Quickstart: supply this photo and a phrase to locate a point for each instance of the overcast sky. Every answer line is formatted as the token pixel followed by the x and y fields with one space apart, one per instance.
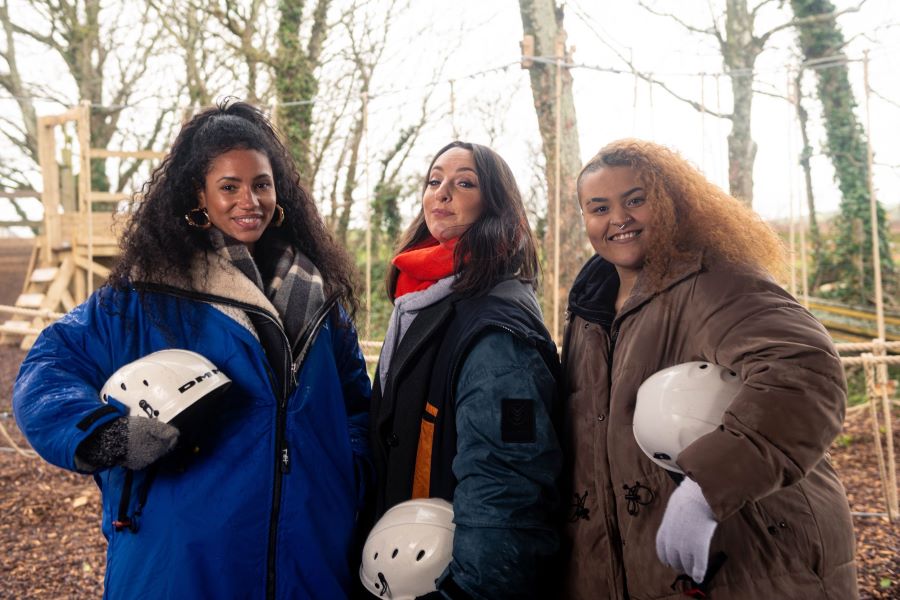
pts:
pixel 611 106
pixel 492 100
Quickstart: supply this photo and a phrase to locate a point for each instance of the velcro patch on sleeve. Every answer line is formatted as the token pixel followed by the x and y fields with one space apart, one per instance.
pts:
pixel 517 420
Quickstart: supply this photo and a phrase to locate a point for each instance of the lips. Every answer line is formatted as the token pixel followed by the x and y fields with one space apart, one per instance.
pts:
pixel 624 236
pixel 248 221
pixel 441 213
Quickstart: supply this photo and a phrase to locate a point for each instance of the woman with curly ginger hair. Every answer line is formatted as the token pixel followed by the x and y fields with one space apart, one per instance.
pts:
pixel 256 494
pixel 684 274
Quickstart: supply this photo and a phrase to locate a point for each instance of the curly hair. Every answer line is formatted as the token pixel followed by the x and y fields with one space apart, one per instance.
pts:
pixel 159 244
pixel 498 245
pixel 690 213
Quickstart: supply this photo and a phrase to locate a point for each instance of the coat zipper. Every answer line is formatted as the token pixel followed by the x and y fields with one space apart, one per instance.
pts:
pixel 282 453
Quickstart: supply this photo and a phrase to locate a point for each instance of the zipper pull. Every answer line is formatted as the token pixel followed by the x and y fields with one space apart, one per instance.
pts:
pixel 295 366
pixel 285 459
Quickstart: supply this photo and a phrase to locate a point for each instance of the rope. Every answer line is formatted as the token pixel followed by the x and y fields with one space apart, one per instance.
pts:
pixel 13 443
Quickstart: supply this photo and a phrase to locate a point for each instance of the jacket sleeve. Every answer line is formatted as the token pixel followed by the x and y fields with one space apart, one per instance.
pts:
pixel 56 394
pixel 508 459
pixel 792 401
pixel 357 392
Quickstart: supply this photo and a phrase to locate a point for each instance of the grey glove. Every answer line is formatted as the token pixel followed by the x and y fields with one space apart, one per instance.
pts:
pixel 131 442
pixel 686 531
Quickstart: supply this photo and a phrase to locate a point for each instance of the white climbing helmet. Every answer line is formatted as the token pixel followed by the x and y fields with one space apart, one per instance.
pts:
pixel 677 405
pixel 408 549
pixel 164 384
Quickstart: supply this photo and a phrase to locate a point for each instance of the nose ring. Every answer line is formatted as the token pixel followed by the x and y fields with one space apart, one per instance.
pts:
pixel 622 226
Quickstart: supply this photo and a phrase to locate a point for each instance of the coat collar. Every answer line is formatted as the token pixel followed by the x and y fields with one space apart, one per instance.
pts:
pixel 679 270
pixel 213 274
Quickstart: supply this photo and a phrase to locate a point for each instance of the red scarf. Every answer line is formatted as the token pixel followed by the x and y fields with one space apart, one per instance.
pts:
pixel 421 266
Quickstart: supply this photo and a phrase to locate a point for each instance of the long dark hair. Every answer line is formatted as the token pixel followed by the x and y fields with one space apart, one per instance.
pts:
pixel 159 244
pixel 498 245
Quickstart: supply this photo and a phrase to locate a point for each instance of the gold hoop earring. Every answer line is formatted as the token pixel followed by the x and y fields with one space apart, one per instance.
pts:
pixel 192 215
pixel 279 219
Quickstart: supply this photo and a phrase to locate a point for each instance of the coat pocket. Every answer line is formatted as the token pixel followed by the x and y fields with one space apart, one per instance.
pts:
pixel 782 531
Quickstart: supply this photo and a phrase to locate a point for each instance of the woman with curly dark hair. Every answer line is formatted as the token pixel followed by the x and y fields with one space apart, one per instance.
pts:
pixel 256 495
pixel 466 382
pixel 683 281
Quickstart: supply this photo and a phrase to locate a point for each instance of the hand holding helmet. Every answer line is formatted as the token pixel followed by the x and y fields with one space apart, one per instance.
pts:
pixel 158 390
pixel 131 442
pixel 675 407
pixel 408 549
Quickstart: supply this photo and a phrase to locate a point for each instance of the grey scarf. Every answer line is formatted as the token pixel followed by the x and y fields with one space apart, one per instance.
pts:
pixel 296 288
pixel 406 307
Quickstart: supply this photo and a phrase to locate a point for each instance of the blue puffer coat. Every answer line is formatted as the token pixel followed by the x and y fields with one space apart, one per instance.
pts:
pixel 264 500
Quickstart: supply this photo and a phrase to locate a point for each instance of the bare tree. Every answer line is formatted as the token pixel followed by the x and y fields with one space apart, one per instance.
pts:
pixel 544 21
pixel 104 68
pixel 740 45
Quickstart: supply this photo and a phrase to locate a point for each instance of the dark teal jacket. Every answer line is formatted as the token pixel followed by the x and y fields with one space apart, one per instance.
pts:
pixel 490 367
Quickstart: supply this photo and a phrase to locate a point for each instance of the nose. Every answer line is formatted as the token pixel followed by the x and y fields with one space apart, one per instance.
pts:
pixel 248 199
pixel 620 218
pixel 442 193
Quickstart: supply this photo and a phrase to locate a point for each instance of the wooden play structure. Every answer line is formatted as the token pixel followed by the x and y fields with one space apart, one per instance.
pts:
pixel 78 245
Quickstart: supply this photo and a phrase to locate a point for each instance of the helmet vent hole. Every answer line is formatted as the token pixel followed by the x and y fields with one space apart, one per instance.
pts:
pixel 145 383
pixel 122 385
pixel 733 374
pixel 704 366
pixel 420 555
pixel 394 553
pixel 375 557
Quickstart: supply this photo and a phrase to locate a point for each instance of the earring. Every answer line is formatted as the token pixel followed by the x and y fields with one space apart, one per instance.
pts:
pixel 193 214
pixel 279 218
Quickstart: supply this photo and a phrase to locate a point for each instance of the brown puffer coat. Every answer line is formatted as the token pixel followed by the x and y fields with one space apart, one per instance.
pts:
pixel 784 520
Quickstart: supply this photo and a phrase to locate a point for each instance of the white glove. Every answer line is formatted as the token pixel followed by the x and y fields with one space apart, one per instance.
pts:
pixel 686 531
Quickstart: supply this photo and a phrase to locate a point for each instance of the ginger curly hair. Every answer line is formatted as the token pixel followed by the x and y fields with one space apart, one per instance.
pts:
pixel 691 215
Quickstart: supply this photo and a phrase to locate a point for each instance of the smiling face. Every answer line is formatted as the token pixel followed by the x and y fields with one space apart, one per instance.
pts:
pixel 239 194
pixel 616 217
pixel 452 198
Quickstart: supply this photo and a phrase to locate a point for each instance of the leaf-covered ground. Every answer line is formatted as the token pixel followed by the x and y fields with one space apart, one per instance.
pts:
pixel 52 546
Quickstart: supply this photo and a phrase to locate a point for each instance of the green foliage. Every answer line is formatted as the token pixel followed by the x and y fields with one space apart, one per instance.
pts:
pixel 844 440
pixel 856 386
pixel 885 583
pixel 849 259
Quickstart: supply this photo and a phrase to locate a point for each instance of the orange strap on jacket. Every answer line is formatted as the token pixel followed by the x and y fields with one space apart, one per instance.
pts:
pixel 422 477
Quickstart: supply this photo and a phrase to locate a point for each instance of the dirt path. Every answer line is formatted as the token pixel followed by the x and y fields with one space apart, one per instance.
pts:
pixel 52 546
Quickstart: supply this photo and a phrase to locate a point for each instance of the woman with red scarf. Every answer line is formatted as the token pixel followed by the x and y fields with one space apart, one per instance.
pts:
pixel 466 381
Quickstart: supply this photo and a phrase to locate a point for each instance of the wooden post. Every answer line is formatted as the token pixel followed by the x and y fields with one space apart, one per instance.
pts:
pixel 873 208
pixel 869 369
pixel 84 188
pixel 368 200
pixel 50 195
pixel 557 182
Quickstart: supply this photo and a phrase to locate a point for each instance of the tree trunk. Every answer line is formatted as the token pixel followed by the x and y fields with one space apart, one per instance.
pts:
pixel 846 147
pixel 740 49
pixel 805 155
pixel 296 84
pixel 541 19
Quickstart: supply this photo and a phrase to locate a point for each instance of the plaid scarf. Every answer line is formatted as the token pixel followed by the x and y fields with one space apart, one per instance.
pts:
pixel 295 288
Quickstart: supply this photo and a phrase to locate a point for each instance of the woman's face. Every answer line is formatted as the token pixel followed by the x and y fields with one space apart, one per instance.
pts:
pixel 452 199
pixel 239 194
pixel 616 216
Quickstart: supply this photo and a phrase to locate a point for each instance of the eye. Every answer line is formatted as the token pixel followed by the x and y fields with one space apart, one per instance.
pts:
pixel 433 183
pixel 228 187
pixel 599 209
pixel 466 184
pixel 636 201
pixel 264 185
